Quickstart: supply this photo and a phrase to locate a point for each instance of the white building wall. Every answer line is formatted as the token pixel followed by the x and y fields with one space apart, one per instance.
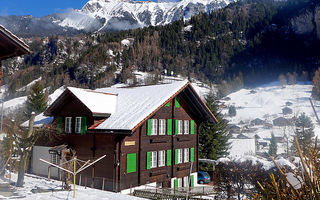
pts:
pixel 40 168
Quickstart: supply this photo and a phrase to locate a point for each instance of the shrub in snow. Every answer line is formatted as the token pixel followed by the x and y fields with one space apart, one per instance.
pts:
pixel 303 183
pixel 273 146
pixel 237 180
pixel 232 111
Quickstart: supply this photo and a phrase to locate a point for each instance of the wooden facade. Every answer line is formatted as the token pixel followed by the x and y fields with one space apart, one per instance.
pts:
pixel 127 164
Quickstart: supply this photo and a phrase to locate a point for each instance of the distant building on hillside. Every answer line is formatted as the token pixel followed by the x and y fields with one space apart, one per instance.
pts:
pixel 286 111
pixel 281 121
pixel 257 122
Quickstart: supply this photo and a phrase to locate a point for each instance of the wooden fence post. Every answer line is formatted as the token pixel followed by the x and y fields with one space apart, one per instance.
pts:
pixel 49 173
pixel 103 184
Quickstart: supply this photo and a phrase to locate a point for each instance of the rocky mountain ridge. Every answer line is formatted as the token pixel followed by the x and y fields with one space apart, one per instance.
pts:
pixel 110 15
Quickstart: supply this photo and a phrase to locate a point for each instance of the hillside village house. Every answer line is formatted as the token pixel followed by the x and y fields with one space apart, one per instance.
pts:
pixel 149 134
pixel 10 46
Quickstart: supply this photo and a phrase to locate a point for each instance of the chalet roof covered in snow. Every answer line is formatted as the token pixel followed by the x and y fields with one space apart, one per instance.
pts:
pixel 129 107
pixel 135 104
pixel 96 102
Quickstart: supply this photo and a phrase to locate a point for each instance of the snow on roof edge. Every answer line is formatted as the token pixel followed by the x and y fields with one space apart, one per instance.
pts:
pixel 183 85
pixel 166 101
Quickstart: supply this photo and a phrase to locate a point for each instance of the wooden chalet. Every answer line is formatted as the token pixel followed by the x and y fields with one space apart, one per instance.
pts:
pixel 149 133
pixel 10 46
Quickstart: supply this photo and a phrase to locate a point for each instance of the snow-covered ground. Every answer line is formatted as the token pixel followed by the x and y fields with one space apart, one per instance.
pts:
pixel 266 103
pixel 82 193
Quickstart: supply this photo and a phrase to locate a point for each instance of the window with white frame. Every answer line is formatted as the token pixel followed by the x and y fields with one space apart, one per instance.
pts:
pixel 186 155
pixel 179 127
pixel 162 126
pixel 185 181
pixel 154 126
pixel 186 127
pixel 68 124
pixel 179 182
pixel 78 125
pixel 179 156
pixel 55 158
pixel 153 160
pixel 161 159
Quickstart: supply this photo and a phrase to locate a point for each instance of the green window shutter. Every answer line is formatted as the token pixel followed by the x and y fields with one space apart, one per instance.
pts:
pixel 175 183
pixel 84 126
pixel 176 125
pixel 192 154
pixel 169 157
pixel 176 102
pixel 59 124
pixel 192 181
pixel 168 104
pixel 169 126
pixel 176 156
pixel 192 127
pixel 148 160
pixel 131 162
pixel 149 127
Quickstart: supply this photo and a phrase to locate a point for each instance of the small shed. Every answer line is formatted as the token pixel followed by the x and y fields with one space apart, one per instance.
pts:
pixel 257 122
pixel 281 121
pixel 286 111
pixel 267 125
pixel 233 129
pixel 241 136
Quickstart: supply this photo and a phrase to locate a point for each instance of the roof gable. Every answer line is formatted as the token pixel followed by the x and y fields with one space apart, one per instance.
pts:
pixel 11 45
pixel 98 103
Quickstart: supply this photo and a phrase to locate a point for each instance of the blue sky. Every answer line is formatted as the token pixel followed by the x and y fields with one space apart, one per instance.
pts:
pixel 38 8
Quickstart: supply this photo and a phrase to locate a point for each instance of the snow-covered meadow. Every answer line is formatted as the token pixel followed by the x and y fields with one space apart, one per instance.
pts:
pixel 33 183
pixel 267 103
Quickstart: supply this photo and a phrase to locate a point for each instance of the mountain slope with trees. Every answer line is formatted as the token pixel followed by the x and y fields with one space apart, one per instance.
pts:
pixel 251 41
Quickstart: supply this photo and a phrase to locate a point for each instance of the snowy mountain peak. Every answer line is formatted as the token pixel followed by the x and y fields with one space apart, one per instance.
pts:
pixel 125 14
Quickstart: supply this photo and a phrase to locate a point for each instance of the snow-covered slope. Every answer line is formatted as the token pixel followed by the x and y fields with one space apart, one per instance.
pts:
pixel 122 14
pixel 266 103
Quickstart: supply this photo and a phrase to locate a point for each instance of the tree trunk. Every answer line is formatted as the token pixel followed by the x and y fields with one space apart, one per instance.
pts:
pixel 24 153
pixel 22 164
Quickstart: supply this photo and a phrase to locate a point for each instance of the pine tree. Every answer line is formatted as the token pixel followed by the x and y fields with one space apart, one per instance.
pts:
pixel 37 99
pixel 273 146
pixel 213 137
pixel 304 132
